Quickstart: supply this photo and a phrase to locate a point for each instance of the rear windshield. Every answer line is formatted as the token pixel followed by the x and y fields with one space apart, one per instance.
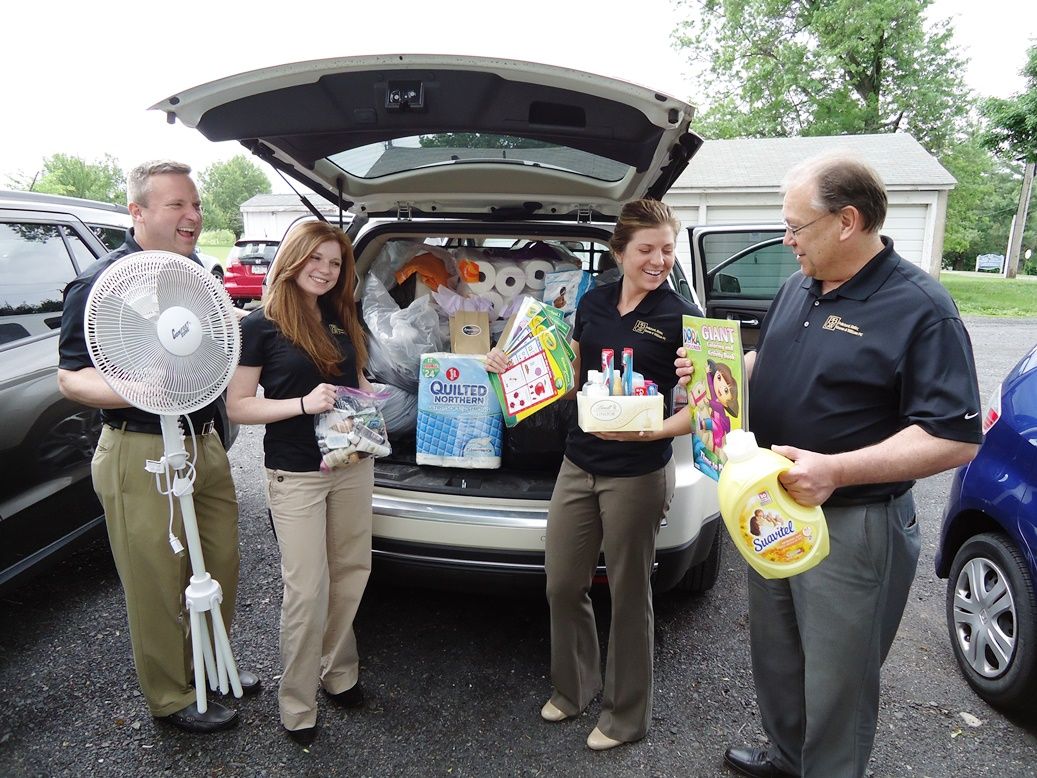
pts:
pixel 417 151
pixel 257 250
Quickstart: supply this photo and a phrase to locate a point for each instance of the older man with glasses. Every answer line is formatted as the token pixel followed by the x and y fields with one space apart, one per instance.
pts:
pixel 864 378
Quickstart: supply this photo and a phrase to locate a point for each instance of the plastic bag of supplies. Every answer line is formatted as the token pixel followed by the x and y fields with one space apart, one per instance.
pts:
pixel 352 430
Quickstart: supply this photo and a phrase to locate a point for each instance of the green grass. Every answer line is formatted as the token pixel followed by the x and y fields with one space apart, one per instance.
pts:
pixel 220 252
pixel 984 295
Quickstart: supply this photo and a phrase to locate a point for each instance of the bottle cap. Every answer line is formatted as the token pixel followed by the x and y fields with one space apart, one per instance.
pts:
pixel 740 444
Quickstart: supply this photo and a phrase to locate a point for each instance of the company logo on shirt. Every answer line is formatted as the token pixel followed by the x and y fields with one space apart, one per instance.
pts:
pixel 336 330
pixel 641 327
pixel 837 324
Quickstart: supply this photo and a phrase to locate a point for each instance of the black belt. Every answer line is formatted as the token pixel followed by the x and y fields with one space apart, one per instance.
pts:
pixel 156 429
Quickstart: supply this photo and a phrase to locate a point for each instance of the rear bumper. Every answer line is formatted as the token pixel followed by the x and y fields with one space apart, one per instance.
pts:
pixel 499 549
pixel 243 289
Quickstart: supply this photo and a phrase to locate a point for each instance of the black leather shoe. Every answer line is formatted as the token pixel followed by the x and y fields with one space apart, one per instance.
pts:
pixel 215 718
pixel 250 684
pixel 754 762
pixel 304 737
pixel 350 698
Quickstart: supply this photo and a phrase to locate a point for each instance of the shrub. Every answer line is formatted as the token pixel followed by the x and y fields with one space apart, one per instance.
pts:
pixel 216 238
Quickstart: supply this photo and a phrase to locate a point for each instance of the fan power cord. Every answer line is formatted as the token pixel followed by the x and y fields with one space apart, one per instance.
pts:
pixel 160 468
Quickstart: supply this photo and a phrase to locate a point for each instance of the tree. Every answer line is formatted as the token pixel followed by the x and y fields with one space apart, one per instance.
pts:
pixel 776 68
pixel 1012 135
pixel 477 140
pixel 225 186
pixel 66 174
pixel 980 206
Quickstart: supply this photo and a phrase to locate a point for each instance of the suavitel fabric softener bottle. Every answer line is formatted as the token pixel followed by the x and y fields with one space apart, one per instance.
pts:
pixel 777 536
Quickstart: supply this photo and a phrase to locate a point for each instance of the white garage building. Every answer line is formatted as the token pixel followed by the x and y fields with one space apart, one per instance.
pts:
pixel 738 181
pixel 270 215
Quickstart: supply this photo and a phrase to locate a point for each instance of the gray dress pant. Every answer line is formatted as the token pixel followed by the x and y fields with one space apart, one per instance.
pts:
pixel 621 515
pixel 819 638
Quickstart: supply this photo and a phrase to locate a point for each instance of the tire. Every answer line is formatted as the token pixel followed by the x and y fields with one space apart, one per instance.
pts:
pixel 700 578
pixel 218 272
pixel 239 302
pixel 992 620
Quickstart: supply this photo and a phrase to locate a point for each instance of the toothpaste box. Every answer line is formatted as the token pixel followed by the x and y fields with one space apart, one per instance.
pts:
pixel 459 416
pixel 619 413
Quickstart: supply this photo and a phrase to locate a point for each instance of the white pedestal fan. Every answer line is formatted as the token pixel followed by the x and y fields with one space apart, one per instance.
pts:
pixel 164 335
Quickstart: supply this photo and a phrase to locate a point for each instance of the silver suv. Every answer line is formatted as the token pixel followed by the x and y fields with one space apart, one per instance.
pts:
pixel 465 153
pixel 47 501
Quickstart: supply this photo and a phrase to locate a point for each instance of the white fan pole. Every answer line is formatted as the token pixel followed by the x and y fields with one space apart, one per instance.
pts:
pixel 203 593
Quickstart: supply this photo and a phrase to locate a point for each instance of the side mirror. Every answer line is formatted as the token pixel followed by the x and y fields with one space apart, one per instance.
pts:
pixel 724 283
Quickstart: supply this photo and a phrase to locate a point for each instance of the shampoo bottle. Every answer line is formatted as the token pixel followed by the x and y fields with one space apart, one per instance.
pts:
pixel 777 536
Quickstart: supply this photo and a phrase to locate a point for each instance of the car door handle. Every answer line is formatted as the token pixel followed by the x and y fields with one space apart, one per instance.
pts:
pixel 746 322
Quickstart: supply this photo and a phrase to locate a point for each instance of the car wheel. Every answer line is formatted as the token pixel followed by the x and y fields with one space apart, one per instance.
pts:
pixel 992 620
pixel 239 302
pixel 700 578
pixel 218 272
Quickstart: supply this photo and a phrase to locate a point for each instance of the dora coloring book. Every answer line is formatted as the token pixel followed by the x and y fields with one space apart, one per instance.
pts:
pixel 717 398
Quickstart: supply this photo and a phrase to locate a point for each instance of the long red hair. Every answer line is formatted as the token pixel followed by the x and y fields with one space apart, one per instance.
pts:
pixel 286 305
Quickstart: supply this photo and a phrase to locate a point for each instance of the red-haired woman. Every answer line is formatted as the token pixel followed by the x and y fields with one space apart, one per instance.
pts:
pixel 303 342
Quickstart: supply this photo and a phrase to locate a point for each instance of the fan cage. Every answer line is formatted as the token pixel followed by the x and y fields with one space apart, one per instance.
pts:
pixel 121 324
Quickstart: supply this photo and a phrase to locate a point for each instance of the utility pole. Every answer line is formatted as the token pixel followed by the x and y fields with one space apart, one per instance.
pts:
pixel 1015 241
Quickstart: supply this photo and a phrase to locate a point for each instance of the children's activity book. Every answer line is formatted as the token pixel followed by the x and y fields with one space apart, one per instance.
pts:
pixel 717 397
pixel 540 361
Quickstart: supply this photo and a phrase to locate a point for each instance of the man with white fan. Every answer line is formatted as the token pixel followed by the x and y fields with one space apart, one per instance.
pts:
pixel 166 211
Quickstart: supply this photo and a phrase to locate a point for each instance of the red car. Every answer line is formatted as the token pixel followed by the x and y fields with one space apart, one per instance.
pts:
pixel 247 266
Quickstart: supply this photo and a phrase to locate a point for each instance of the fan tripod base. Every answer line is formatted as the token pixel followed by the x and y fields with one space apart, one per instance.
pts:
pixel 205 595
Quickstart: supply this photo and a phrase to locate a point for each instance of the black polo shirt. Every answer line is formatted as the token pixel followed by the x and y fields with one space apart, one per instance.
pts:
pixel 287 371
pixel 840 371
pixel 653 330
pixel 72 350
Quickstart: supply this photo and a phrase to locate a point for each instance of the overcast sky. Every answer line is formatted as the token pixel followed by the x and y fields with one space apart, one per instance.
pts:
pixel 80 84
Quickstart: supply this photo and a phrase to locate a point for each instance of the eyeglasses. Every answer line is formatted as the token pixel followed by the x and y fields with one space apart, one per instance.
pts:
pixel 794 231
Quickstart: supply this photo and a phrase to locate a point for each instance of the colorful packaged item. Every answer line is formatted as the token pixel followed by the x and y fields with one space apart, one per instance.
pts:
pixel 459 417
pixel 717 397
pixel 564 288
pixel 540 370
pixel 777 536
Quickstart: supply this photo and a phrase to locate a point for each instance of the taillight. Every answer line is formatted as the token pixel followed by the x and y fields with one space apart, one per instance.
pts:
pixel 993 410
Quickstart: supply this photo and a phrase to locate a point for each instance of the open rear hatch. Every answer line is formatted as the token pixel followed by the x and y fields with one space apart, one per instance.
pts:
pixel 451 136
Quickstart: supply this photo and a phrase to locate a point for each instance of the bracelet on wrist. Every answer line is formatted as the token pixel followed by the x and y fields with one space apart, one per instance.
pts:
pixel 303 407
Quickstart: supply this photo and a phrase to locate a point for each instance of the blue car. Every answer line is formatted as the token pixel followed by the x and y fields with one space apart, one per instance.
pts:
pixel 988 548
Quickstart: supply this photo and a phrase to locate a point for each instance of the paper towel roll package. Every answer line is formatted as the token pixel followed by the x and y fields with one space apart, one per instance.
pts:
pixel 487 277
pixel 498 303
pixel 510 279
pixel 536 272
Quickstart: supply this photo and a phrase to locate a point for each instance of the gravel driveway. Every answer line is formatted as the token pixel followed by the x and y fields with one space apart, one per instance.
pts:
pixel 455 681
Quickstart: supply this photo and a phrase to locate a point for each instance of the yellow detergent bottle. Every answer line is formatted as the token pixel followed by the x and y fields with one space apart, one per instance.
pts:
pixel 777 536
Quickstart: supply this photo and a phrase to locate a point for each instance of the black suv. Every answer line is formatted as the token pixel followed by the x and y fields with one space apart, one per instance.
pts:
pixel 47 501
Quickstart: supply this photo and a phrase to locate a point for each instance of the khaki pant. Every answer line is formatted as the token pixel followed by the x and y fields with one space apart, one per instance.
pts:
pixel 323 526
pixel 589 513
pixel 153 578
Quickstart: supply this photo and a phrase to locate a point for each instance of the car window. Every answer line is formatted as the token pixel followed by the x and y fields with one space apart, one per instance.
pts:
pixel 111 237
pixel 746 265
pixel 35 266
pixel 83 255
pixel 459 148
